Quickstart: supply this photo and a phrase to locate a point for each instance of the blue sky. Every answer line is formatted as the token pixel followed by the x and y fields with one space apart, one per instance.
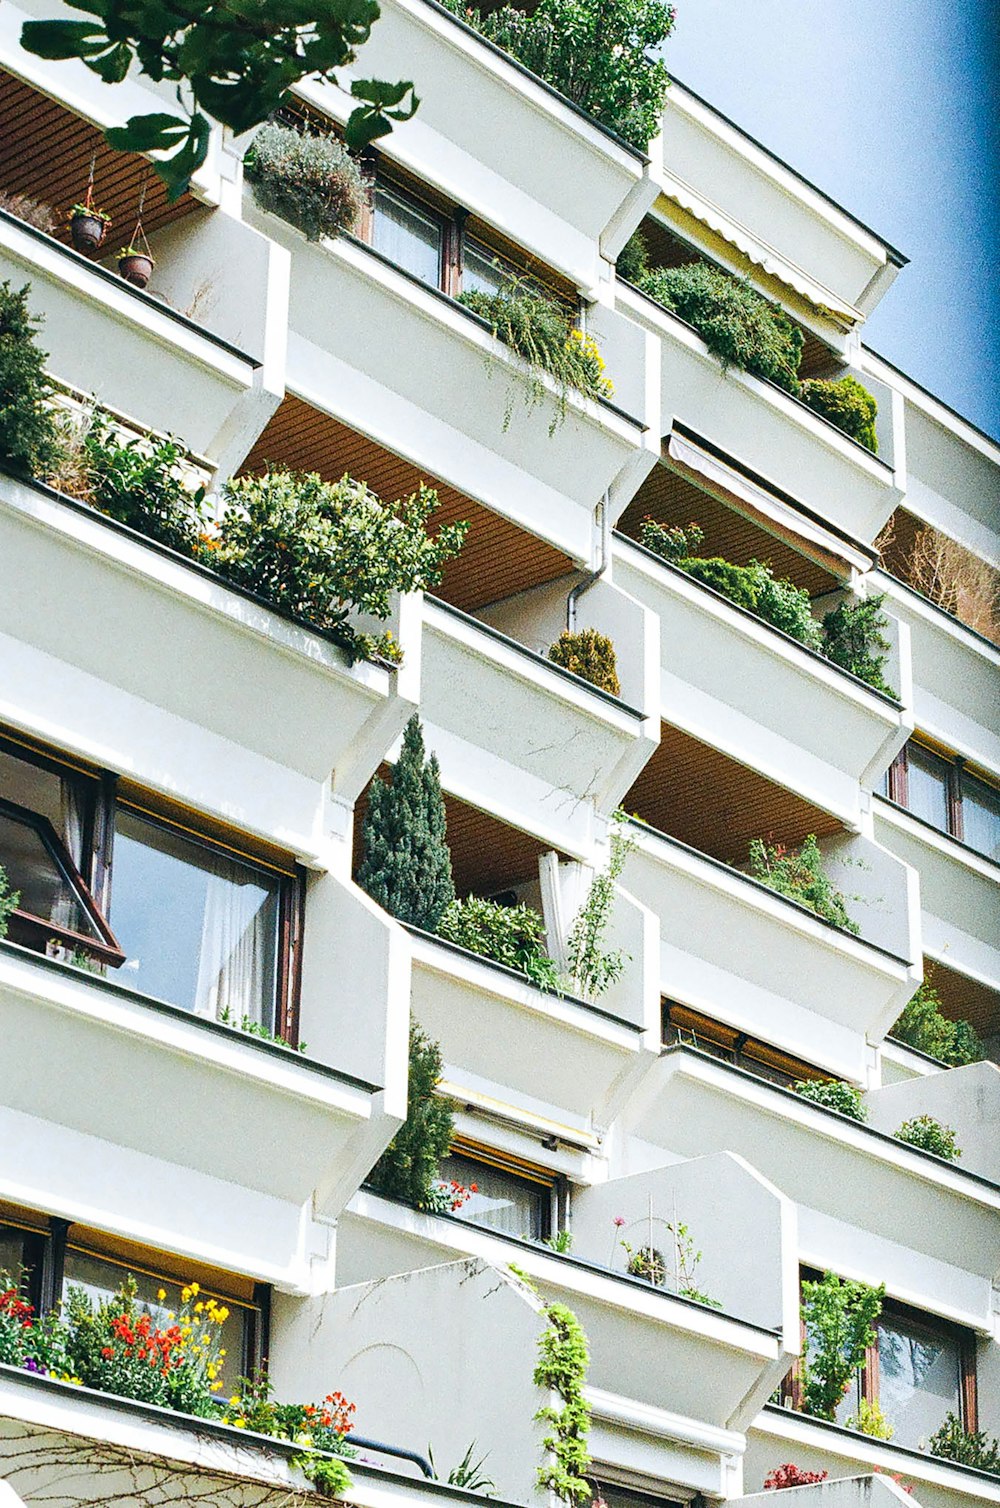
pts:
pixel 893 108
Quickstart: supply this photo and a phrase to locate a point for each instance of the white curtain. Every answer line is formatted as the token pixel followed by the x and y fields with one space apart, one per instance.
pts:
pixel 65 910
pixel 235 970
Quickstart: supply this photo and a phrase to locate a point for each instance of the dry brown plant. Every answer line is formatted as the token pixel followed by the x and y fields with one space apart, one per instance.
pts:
pixel 957 580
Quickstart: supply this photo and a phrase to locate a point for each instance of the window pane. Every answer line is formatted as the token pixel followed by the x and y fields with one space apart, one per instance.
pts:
pixel 13 1253
pixel 101 1279
pixel 34 871
pixel 626 1497
pixel 927 786
pixel 919 1379
pixel 981 816
pixel 504 1202
pixel 480 270
pixel 407 237
pixel 62 800
pixel 199 928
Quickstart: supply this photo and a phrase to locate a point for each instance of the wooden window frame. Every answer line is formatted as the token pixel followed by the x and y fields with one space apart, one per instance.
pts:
pixel 957 768
pixel 557 1206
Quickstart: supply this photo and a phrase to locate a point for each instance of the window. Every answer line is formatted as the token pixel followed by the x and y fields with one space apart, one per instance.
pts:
pixel 927 778
pixel 616 1496
pixel 944 793
pixel 513 1203
pixel 980 815
pixel 408 235
pixel 482 269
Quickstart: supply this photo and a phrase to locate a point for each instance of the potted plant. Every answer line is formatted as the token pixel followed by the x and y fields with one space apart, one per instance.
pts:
pixel 88 226
pixel 135 265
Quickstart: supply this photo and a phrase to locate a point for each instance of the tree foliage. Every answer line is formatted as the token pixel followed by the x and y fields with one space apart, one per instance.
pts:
pixel 799 875
pixel 28 433
pixel 591 969
pixel 854 638
pixel 408 1168
pixel 839 1319
pixel 233 63
pixel 924 1025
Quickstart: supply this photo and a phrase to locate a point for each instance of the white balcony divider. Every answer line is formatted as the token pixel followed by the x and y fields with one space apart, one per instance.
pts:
pixel 847 1492
pixel 966 1099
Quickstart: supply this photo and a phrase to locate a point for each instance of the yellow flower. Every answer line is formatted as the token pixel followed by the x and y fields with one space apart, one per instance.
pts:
pixel 161 1294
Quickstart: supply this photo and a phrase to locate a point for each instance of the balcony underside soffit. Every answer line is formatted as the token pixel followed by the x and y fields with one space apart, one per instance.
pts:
pixel 966 999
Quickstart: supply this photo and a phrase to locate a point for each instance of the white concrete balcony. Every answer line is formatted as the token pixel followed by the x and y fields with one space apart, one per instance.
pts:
pixel 959 893
pixel 122 1130
pixel 154 668
pixel 765 429
pixel 212 384
pixel 402 363
pixel 870 1207
pixel 517 158
pixel 735 950
pixel 780 1435
pixel 967 1099
pixel 954 675
pixel 763 699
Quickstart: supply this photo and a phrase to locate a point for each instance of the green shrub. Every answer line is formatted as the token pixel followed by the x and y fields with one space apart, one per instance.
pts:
pixel 310 181
pixel 330 1476
pixel 799 875
pixel 839 1320
pixel 140 483
pixel 602 57
pixel 848 404
pixel 28 430
pixel 870 1420
pixel 9 901
pixel 735 582
pixel 953 1442
pixel 784 605
pixel 738 326
pixel 406 864
pixel 511 935
pixel 320 549
pixel 408 1168
pixel 853 638
pixel 931 1136
pixel 834 1094
pixel 589 655
pixel 924 1025
pixel 672 543
pixel 633 264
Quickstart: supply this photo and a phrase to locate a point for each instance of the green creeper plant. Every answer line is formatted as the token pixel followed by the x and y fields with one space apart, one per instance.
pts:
pixel 604 58
pixel 931 1136
pixel 924 1025
pixel 590 655
pixel 408 1168
pixel 839 1319
pixel 834 1094
pixel 9 901
pixel 230 63
pixel 953 1442
pixel 406 863
pixel 561 1368
pixel 848 404
pixel 799 875
pixel 511 935
pixel 309 180
pixel 854 638
pixel 590 968
pixel 28 430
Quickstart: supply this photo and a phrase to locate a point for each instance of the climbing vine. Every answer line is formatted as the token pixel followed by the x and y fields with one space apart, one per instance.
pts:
pixel 562 1364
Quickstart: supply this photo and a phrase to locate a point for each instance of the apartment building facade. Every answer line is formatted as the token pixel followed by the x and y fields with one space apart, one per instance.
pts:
pixel 185 772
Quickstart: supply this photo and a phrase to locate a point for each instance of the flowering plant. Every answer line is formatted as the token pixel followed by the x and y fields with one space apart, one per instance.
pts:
pixel 448 1195
pixel 26 1341
pixel 317 1426
pixel 790 1475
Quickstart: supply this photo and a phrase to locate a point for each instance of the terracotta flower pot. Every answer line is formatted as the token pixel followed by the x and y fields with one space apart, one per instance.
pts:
pixel 88 232
pixel 136 269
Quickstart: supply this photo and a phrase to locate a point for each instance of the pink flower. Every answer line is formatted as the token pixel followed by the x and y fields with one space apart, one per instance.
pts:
pixel 619 1221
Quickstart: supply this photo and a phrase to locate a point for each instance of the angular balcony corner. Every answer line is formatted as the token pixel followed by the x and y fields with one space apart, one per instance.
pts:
pixel 768 431
pixel 744 687
pixel 517 160
pixel 213 384
pixel 869 1205
pixel 733 948
pixel 844 1492
pixel 966 1099
pixel 356 323
pixel 156 668
pixel 146 1161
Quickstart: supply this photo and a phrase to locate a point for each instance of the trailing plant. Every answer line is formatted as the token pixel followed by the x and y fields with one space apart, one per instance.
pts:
pixel 563 1359
pixel 924 1025
pixel 633 264
pixel 839 1319
pixel 870 1420
pixel 311 181
pixel 9 901
pixel 590 655
pixel 604 58
pixel 32 211
pixel 953 1442
pixel 254 1028
pixel 329 1475
pixel 408 1168
pixel 226 66
pixel 322 549
pixel 511 935
pixel 790 1475
pixel 591 969
pixel 28 431
pixel 538 328
pixel 406 863
pixel 468 1474
pixel 931 1136
pixel 848 404
pixel 799 875
pixel 740 328
pixel 834 1094
pixel 854 638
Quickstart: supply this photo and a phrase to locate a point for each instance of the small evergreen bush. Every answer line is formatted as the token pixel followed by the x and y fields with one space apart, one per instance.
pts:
pixel 924 1025
pixel 853 638
pixel 29 436
pixel 839 1319
pixel 140 482
pixel 310 181
pixel 672 543
pixel 589 655
pixel 931 1136
pixel 834 1094
pixel 738 326
pixel 408 1168
pixel 848 404
pixel 633 264
pixel 800 876
pixel 953 1442
pixel 406 865
pixel 511 935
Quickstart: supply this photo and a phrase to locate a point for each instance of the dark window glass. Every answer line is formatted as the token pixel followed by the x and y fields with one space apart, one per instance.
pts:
pixel 407 236
pixel 920 1373
pixel 927 786
pixel 39 873
pixel 198 926
pixel 627 1497
pixel 981 816
pixel 504 1201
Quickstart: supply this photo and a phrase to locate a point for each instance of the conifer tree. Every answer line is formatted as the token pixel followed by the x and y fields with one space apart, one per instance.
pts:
pixel 27 427
pixel 406 865
pixel 408 1168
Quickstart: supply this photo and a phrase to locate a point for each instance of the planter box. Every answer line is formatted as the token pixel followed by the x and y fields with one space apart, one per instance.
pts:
pixel 750 691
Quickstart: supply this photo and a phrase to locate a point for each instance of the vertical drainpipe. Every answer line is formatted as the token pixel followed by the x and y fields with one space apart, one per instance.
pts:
pixel 603 512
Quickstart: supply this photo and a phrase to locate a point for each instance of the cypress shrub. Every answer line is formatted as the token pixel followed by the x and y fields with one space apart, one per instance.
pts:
pixel 29 437
pixel 408 1168
pixel 589 655
pixel 848 404
pixel 853 639
pixel 633 264
pixel 406 866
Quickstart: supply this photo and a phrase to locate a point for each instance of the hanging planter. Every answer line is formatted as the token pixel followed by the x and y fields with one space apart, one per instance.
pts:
pixel 88 227
pixel 136 265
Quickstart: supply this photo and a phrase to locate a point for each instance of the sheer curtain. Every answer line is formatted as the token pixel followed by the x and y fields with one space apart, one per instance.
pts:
pixel 65 909
pixel 235 967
